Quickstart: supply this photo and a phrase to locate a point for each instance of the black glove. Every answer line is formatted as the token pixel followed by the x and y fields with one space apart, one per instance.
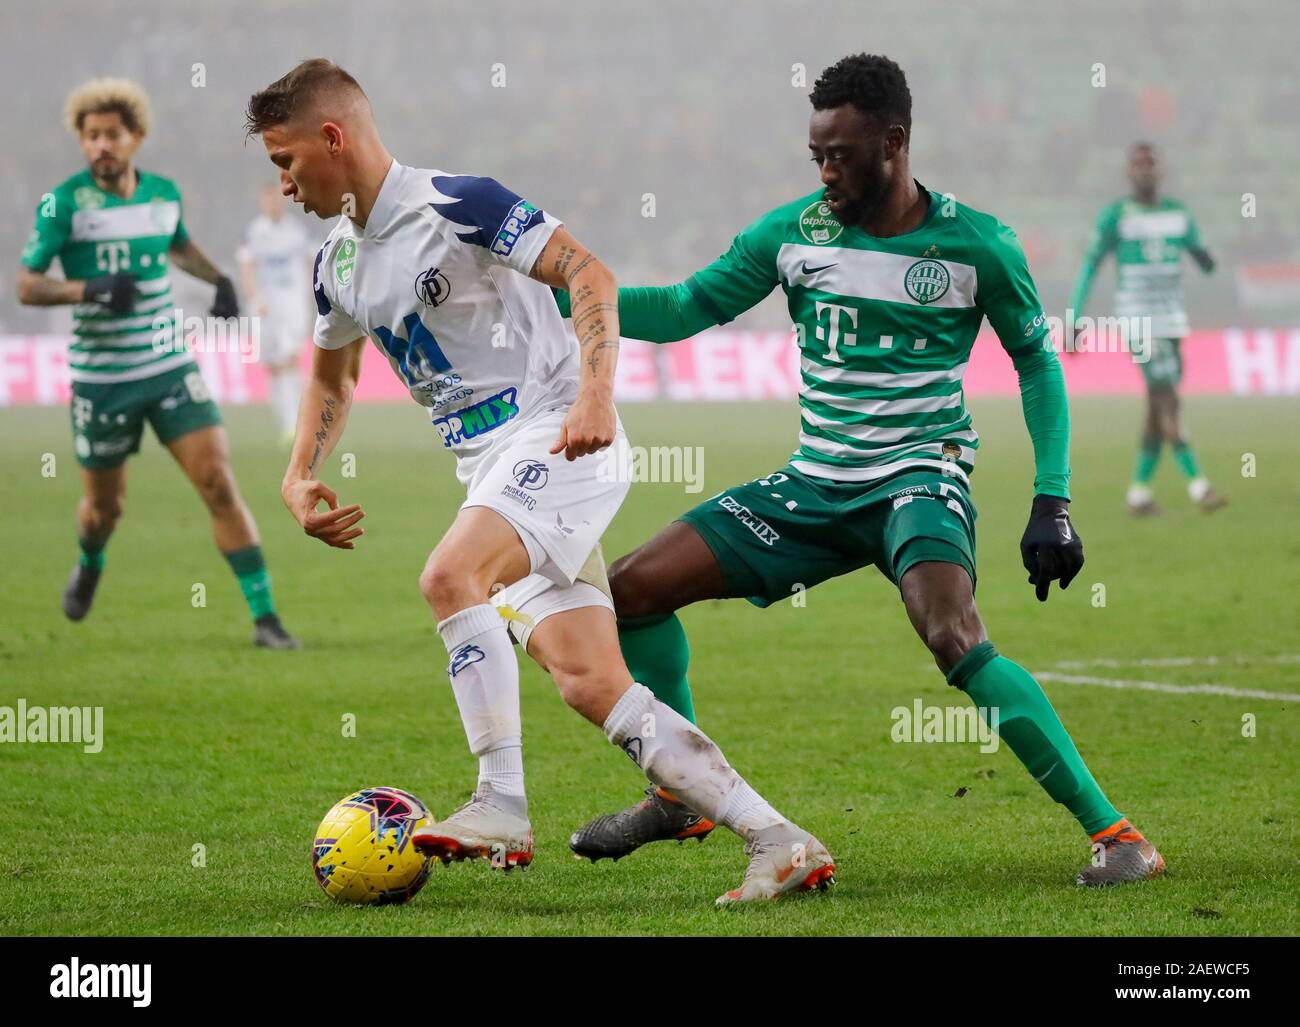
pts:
pixel 225 303
pixel 1050 547
pixel 116 292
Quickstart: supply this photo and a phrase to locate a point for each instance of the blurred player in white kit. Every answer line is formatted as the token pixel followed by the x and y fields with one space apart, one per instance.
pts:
pixel 275 265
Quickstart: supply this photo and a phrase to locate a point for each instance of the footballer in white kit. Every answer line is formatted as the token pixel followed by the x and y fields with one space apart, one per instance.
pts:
pixel 448 275
pixel 275 264
pixel 438 278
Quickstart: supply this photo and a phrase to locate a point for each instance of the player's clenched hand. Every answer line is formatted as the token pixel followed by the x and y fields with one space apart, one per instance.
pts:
pixel 225 303
pixel 1050 548
pixel 589 426
pixel 117 292
pixel 336 526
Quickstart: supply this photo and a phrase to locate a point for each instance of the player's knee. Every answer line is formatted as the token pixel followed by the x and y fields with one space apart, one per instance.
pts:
pixel 439 584
pixel 633 590
pixel 217 487
pixel 108 509
pixel 586 686
pixel 951 638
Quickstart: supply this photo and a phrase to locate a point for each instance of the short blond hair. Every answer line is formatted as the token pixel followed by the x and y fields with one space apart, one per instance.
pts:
pixel 105 96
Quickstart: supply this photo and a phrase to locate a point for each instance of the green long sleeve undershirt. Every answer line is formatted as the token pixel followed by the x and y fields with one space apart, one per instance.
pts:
pixel 672 312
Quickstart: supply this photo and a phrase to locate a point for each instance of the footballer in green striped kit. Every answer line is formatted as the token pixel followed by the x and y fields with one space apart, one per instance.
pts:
pixel 117 231
pixel 888 283
pixel 1149 234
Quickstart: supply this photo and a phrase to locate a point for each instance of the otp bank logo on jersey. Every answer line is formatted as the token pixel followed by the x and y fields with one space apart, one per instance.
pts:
pixel 531 475
pixel 517 222
pixel 477 419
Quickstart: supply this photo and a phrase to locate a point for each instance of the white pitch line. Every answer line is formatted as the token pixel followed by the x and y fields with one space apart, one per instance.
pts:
pixel 1176 661
pixel 1160 686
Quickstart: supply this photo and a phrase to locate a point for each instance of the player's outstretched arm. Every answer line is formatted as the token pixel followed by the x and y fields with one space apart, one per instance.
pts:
pixel 193 261
pixel 326 401
pixel 591 422
pixel 714 295
pixel 655 313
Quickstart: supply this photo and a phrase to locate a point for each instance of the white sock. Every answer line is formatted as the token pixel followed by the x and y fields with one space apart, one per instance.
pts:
pixel 1197 487
pixel 285 390
pixel 1138 495
pixel 484 675
pixel 680 758
pixel 502 770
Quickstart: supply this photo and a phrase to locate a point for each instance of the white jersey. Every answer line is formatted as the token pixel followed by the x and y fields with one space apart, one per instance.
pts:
pixel 280 252
pixel 438 280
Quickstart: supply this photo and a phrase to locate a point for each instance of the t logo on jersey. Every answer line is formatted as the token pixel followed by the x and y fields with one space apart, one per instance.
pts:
pixel 477 419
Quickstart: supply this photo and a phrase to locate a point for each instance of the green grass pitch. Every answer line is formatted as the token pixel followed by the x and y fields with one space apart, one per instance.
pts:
pixel 209 742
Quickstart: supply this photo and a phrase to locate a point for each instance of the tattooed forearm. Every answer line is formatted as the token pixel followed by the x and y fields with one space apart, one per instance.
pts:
pixel 582 264
pixel 562 261
pixel 322 433
pixel 593 358
pixel 595 308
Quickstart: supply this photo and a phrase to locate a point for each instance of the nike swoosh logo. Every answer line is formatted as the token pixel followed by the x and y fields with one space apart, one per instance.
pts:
pixel 1064 522
pixel 813 270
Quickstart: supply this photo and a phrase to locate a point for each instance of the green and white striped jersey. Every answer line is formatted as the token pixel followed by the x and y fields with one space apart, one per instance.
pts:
pixel 1148 243
pixel 884 328
pixel 95 233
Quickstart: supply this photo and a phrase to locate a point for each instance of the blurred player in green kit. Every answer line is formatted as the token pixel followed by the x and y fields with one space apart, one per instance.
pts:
pixel 1148 234
pixel 116 231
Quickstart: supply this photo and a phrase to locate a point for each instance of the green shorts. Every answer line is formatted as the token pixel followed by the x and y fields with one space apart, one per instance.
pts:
pixel 108 418
pixel 775 535
pixel 1163 369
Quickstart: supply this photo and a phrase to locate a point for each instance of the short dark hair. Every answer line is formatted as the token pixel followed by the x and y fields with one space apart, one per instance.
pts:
pixel 290 95
pixel 873 84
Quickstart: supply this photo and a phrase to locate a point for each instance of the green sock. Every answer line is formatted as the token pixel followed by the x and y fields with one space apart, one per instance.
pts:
pixel 1029 725
pixel 92 553
pixel 1186 459
pixel 656 653
pixel 254 580
pixel 1148 457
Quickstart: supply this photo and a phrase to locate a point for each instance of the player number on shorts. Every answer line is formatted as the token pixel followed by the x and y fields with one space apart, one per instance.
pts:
pixel 197 387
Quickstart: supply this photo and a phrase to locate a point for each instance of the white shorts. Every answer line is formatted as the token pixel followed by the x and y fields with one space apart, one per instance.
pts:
pixel 528 602
pixel 560 509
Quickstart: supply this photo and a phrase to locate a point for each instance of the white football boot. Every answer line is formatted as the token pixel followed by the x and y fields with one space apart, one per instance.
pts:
pixel 782 859
pixel 487 827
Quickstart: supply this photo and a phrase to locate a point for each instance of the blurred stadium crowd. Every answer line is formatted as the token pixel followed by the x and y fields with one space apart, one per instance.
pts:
pixel 604 104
